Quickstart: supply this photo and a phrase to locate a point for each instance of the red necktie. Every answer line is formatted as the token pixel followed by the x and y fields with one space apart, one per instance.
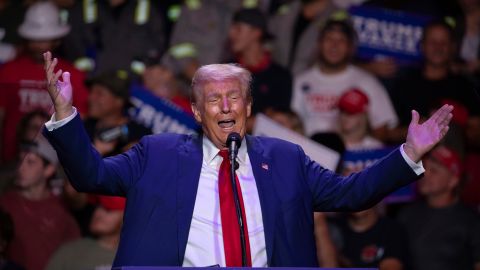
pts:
pixel 230 227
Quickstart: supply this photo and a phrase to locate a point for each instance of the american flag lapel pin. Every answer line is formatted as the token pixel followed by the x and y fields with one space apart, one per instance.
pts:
pixel 265 166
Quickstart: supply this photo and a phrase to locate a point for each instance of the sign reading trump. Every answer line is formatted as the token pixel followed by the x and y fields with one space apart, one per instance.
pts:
pixel 388 33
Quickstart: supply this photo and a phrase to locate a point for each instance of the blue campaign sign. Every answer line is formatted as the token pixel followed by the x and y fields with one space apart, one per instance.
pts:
pixel 388 33
pixel 354 161
pixel 159 114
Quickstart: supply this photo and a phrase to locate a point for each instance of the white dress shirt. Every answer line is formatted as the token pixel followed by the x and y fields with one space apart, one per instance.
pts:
pixel 205 240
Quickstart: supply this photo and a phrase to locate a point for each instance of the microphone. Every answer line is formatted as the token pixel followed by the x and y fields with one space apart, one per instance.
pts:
pixel 233 143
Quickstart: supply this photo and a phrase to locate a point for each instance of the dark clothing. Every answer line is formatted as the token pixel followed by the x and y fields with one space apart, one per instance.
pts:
pixel 444 238
pixel 11 16
pixel 414 91
pixel 114 37
pixel 271 85
pixel 386 239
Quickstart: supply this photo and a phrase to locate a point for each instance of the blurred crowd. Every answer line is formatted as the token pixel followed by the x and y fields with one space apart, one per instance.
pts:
pixel 307 77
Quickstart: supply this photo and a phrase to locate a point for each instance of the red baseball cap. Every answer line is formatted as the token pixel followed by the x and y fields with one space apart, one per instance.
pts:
pixel 460 112
pixel 448 158
pixel 110 202
pixel 353 101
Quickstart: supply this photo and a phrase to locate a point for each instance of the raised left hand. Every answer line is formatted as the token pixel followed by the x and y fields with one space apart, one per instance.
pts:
pixel 421 138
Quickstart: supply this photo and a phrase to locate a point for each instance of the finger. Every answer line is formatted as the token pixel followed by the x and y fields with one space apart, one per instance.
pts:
pixel 47 57
pixel 441 113
pixel 415 118
pixel 51 68
pixel 55 78
pixel 444 131
pixel 446 120
pixel 66 77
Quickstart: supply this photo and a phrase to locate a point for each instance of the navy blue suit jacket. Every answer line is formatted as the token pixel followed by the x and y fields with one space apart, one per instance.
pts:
pixel 159 176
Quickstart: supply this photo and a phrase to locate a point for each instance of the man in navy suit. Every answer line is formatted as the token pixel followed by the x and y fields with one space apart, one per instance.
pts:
pixel 176 211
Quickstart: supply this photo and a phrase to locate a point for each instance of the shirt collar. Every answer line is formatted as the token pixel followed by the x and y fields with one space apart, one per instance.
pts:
pixel 210 151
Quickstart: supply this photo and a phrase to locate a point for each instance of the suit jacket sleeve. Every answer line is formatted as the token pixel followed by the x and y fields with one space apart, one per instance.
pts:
pixel 87 170
pixel 358 191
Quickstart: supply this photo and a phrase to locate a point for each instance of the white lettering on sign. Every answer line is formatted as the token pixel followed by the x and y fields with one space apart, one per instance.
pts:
pixel 391 36
pixel 158 121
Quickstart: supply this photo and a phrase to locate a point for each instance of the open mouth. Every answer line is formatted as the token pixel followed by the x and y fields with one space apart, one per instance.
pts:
pixel 228 123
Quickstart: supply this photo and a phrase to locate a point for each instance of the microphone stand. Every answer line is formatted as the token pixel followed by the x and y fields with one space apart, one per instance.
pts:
pixel 232 157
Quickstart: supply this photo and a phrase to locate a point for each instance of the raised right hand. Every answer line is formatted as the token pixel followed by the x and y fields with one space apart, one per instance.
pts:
pixel 60 91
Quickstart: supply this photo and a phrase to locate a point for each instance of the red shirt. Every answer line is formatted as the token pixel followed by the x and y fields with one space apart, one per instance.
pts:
pixel 23 89
pixel 41 227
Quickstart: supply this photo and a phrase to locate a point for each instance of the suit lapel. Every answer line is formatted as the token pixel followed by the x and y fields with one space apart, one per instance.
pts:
pixel 262 167
pixel 189 167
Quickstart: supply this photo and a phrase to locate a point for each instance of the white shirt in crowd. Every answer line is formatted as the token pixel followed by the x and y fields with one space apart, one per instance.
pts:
pixel 315 97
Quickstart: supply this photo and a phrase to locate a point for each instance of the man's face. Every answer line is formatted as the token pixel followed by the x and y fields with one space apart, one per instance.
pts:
pixel 32 171
pixel 437 179
pixel 437 46
pixel 101 102
pixel 335 49
pixel 106 222
pixel 353 122
pixel 242 35
pixel 222 108
pixel 36 48
pixel 33 127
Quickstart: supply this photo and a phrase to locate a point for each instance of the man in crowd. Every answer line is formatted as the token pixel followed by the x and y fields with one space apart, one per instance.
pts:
pixel 180 208
pixel 426 88
pixel 443 234
pixel 295 27
pixel 98 253
pixel 353 121
pixel 272 84
pixel 108 125
pixel 317 90
pixel 40 220
pixel 22 82
pixel 370 240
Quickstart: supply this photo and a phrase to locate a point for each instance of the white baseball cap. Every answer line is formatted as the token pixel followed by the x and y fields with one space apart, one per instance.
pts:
pixel 42 22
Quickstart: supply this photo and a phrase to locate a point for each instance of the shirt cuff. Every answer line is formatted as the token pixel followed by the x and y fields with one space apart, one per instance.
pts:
pixel 416 167
pixel 54 124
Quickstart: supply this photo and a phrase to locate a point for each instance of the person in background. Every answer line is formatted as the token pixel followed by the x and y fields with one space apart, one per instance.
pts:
pixel 195 41
pixel 295 27
pixel 272 83
pixel 287 118
pixel 371 240
pixel 424 89
pixel 107 124
pixel 469 48
pixel 22 82
pixel 27 130
pixel 442 232
pixel 353 121
pixel 114 34
pixel 163 83
pixel 40 220
pixel 94 253
pixel 317 90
